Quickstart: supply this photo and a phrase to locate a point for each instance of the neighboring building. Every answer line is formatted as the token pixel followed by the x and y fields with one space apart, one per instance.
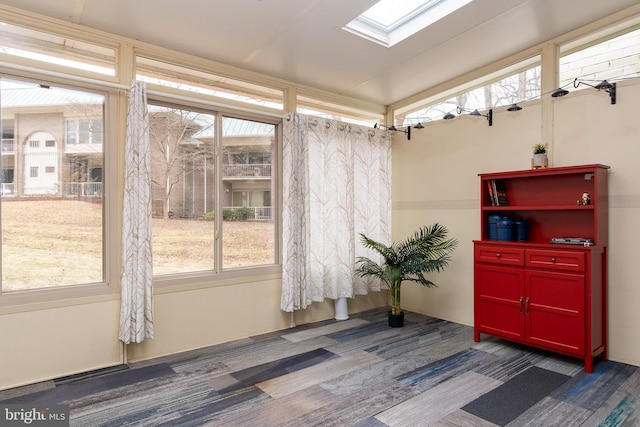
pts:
pixel 183 172
pixel 247 165
pixel 52 147
pixel 51 143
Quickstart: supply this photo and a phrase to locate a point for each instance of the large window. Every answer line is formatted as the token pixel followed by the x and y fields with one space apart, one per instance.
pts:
pixel 183 189
pixel 248 232
pixel 52 211
pixel 196 193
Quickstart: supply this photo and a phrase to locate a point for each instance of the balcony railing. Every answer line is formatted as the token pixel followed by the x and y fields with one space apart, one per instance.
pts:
pixel 83 188
pixel 259 212
pixel 8 146
pixel 246 171
pixel 7 189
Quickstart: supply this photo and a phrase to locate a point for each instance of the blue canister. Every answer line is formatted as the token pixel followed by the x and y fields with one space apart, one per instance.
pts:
pixel 505 229
pixel 493 226
pixel 522 234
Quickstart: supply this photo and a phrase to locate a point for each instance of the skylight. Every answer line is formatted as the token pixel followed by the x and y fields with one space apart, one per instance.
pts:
pixel 391 21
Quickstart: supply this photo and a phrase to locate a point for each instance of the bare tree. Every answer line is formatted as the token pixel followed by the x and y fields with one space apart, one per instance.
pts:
pixel 176 150
pixel 518 87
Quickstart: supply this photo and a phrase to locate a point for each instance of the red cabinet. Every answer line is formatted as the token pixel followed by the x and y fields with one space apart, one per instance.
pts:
pixel 548 295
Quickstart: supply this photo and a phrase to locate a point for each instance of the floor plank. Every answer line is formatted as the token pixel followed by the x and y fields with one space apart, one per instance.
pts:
pixel 358 372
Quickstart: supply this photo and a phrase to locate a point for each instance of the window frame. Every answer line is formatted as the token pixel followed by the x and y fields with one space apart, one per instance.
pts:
pixel 522 65
pixel 108 288
pixel 77 131
pixel 170 76
pixel 220 276
pixel 413 20
pixel 593 40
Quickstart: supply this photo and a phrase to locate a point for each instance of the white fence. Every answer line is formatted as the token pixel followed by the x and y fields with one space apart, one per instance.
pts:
pixel 8 145
pixel 246 171
pixel 7 188
pixel 259 212
pixel 83 188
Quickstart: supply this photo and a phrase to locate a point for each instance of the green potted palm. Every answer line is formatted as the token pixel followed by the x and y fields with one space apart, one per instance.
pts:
pixel 427 250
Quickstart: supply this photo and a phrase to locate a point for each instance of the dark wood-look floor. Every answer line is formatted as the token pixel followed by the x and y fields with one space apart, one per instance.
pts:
pixel 357 372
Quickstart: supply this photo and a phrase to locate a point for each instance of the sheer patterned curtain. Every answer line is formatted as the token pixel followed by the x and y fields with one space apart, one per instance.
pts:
pixel 136 311
pixel 336 185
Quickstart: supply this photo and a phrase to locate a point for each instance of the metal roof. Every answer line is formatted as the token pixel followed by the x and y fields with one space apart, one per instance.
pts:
pixel 41 97
pixel 238 127
pixel 25 97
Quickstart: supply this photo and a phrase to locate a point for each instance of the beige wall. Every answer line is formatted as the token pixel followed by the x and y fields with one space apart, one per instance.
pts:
pixel 46 343
pixel 185 320
pixel 53 340
pixel 435 179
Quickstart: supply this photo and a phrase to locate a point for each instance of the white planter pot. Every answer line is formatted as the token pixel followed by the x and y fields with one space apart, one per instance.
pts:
pixel 539 160
pixel 342 311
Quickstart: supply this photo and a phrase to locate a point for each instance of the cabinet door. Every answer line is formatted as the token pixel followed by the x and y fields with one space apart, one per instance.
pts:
pixel 555 310
pixel 499 301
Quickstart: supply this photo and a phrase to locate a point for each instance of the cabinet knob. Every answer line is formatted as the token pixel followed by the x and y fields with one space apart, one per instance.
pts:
pixel 553 260
pixel 498 255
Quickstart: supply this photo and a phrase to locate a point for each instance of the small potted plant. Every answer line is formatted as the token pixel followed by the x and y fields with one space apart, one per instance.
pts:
pixel 540 159
pixel 428 250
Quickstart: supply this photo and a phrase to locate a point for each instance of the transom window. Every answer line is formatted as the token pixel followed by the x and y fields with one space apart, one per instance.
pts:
pixel 611 58
pixel 313 106
pixel 517 83
pixel 56 50
pixel 166 74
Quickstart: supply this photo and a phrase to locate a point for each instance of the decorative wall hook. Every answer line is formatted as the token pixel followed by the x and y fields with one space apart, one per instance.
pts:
pixel 406 130
pixel 604 85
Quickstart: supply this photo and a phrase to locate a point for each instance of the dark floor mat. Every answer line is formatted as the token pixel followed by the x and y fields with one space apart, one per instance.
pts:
pixel 505 403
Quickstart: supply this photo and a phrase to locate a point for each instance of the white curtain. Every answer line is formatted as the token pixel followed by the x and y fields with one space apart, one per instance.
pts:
pixel 136 312
pixel 336 185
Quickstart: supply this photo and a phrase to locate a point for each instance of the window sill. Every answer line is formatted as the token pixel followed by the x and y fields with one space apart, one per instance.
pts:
pixel 187 282
pixel 44 299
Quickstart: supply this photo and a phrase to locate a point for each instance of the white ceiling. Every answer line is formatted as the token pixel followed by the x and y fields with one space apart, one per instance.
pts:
pixel 302 41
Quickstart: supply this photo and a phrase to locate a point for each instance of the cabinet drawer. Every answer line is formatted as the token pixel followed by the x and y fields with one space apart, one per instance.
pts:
pixel 555 260
pixel 499 255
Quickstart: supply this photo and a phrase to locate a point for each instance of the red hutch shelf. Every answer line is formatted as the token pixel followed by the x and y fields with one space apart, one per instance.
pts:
pixel 547 295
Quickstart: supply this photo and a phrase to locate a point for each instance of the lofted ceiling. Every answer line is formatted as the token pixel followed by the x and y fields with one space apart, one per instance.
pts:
pixel 302 41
